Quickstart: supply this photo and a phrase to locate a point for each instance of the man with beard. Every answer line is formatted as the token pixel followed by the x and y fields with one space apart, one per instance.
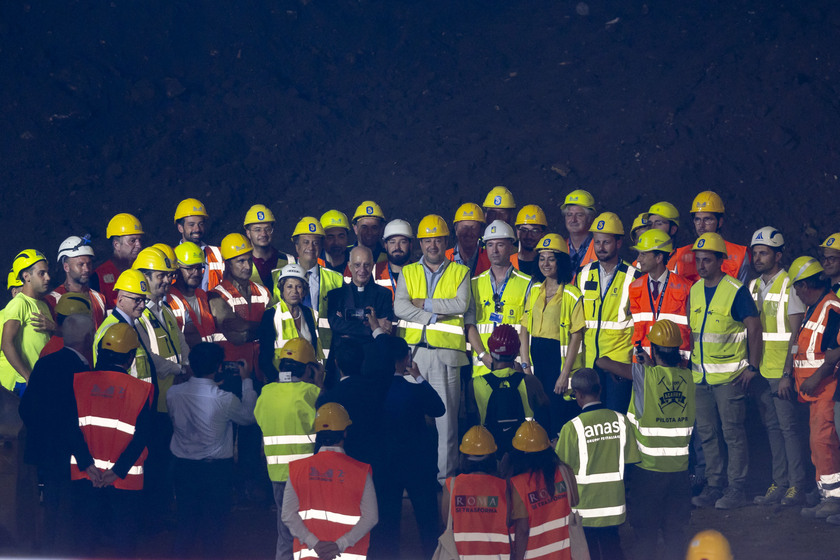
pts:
pixel 579 212
pixel 468 250
pixel 336 230
pixel 191 218
pixel 75 256
pixel 605 285
pixel 259 229
pixel 531 225
pixel 187 300
pixel 367 224
pixel 830 260
pixel 398 237
pixel 126 235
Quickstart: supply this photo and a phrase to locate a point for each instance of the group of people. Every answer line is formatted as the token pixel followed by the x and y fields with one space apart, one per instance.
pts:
pixel 161 361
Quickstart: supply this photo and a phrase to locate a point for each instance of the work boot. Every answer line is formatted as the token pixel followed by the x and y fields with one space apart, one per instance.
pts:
pixel 794 496
pixel 813 498
pixel 733 498
pixel 774 495
pixel 833 519
pixel 828 507
pixel 707 497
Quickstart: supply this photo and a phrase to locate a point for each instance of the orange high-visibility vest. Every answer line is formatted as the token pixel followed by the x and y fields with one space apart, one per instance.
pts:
pixel 809 355
pixel 215 265
pixel 109 403
pixel 478 507
pixel 670 305
pixel 203 321
pixel 548 516
pixel 98 305
pixel 682 262
pixel 260 298
pixel 108 274
pixel 481 264
pixel 382 276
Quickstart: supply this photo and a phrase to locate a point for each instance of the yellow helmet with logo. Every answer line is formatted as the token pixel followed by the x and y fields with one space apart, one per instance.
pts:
pixel 654 240
pixel 579 197
pixel 804 267
pixel 640 221
pixel 152 258
pixel 332 417
pixel 832 242
pixel 308 226
pixel 25 259
pixel 499 197
pixel 432 226
pixel 553 242
pixel 665 333
pixel 120 338
pixel 123 224
pixel 368 209
pixel 334 219
pixel 478 441
pixel 299 350
pixel 709 545
pixel 235 244
pixel 469 212
pixel 710 241
pixel 531 214
pixel 189 254
pixel 73 303
pixel 258 214
pixel 531 437
pixel 166 250
pixel 13 281
pixel 133 282
pixel 667 211
pixel 707 201
pixel 190 207
pixel 607 222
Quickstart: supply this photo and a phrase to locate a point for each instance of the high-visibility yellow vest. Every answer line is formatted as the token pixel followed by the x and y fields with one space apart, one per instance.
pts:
pixel 571 295
pixel 285 330
pixel 141 368
pixel 775 324
pixel 512 300
pixel 609 323
pixel 448 331
pixel 163 341
pixel 663 427
pixel 285 412
pixel 720 343
pixel 327 280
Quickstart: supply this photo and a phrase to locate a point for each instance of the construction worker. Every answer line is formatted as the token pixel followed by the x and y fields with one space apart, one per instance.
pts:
pixel 285 413
pixel 368 221
pixel 530 225
pixel 468 250
pixel 640 225
pixel 830 259
pixel 69 304
pixel 27 321
pixel 709 545
pixel 126 235
pixel 659 293
pixel 662 415
pixel 664 216
pixel 708 211
pixel 817 355
pixel 238 304
pixel 540 502
pixel 605 285
pixel 398 238
pixel 597 445
pixel 342 489
pixel 114 414
pixel 191 219
pixel 432 297
pixel 187 300
pixel 578 213
pixel 75 256
pixel 336 231
pixel 500 294
pixel 259 229
pixel 781 313
pixel 499 205
pixel 726 355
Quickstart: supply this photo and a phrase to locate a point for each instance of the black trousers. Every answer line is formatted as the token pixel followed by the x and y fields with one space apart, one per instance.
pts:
pixel 604 543
pixel 659 501
pixel 203 497
pixel 547 364
pixel 105 515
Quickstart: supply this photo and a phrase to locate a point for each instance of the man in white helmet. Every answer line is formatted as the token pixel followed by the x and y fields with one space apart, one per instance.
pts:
pixel 397 237
pixel 75 257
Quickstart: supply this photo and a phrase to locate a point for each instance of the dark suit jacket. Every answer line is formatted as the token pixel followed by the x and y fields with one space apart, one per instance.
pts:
pixel 348 296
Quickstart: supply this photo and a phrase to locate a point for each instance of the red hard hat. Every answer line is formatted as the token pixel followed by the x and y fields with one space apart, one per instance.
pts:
pixel 504 342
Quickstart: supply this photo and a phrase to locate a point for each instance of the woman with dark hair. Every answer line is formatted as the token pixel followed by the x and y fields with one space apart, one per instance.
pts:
pixel 552 328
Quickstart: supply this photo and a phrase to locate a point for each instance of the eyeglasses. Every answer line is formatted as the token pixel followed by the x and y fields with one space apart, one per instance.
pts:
pixel 831 259
pixel 261 229
pixel 140 300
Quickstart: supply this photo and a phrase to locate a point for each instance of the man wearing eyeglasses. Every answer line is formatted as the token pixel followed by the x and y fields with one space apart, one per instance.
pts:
pixel 187 300
pixel 831 260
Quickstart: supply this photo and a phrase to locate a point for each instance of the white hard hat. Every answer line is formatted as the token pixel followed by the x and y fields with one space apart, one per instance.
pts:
pixel 769 236
pixel 398 227
pixel 499 230
pixel 292 271
pixel 75 246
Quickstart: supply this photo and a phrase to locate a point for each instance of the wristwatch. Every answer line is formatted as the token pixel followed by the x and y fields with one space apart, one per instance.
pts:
pixel 787 375
pixel 752 368
pixel 526 365
pixel 481 356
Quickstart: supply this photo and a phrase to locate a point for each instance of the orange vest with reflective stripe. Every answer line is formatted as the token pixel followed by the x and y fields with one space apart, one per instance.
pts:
pixel 109 403
pixel 260 298
pixel 98 305
pixel 682 262
pixel 478 507
pixel 548 516
pixel 809 355
pixel 481 264
pixel 329 486
pixel 108 274
pixel 670 305
pixel 215 265
pixel 204 321
pixel 382 276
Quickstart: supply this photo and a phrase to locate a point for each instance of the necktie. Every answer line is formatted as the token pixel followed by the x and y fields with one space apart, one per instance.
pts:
pixel 655 291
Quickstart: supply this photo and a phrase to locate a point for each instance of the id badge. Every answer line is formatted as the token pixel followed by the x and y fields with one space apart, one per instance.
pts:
pixel 496 318
pixel 285 377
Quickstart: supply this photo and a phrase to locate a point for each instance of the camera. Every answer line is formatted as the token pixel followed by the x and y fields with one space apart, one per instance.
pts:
pixel 357 313
pixel 229 379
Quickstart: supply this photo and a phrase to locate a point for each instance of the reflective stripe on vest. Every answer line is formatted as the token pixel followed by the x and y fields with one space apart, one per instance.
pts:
pixel 571 295
pixel 141 366
pixel 203 321
pixel 105 465
pixel 478 507
pixel 775 324
pixel 513 299
pixel 583 450
pixel 809 356
pixel 548 518
pixel 609 324
pixel 260 298
pixel 285 413
pixel 720 350
pixel 285 329
pixel 670 305
pixel 447 332
pixel 215 266
pixel 164 342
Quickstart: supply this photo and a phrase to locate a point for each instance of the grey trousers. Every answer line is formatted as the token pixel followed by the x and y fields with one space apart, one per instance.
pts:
pixel 285 540
pixel 780 419
pixel 721 410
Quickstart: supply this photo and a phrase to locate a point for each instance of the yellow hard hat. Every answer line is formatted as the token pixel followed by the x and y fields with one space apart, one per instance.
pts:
pixel 667 211
pixel 478 441
pixel 152 258
pixel 804 267
pixel 334 219
pixel 553 242
pixel 120 338
pixel 831 242
pixel 368 209
pixel 707 201
pixel 432 226
pixel 531 437
pixel 299 350
pixel 640 222
pixel 710 241
pixel 579 197
pixel 531 214
pixel 607 222
pixel 308 226
pixel 235 244
pixel 654 240
pixel 709 545
pixel 469 211
pixel 258 214
pixel 166 250
pixel 189 254
pixel 499 197
pixel 190 207
pixel 133 282
pixel 73 303
pixel 665 333
pixel 333 417
pixel 25 259
pixel 13 281
pixel 123 224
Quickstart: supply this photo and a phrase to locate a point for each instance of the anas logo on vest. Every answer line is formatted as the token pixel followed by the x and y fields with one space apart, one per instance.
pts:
pixel 261 215
pixel 477 504
pixel 603 429
pixel 672 394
